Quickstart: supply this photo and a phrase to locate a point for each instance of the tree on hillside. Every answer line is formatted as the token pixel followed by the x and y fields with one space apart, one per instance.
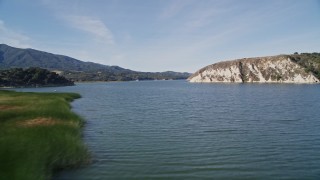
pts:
pixel 31 77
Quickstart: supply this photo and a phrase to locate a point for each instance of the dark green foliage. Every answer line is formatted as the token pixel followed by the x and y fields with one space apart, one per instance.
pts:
pixel 74 69
pixel 310 61
pixel 31 77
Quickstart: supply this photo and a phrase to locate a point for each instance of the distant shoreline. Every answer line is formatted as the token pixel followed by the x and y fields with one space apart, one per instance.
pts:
pixel 18 87
pixel 132 80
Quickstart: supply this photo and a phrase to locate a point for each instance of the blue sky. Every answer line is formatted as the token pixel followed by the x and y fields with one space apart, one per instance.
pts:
pixel 160 35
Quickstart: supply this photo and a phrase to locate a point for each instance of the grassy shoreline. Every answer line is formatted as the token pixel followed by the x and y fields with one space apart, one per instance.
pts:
pixel 38 134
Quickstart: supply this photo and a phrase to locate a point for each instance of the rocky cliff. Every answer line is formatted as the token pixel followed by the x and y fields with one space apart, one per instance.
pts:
pixel 272 69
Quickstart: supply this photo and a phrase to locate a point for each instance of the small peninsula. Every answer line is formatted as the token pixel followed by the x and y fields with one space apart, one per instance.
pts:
pixel 295 68
pixel 31 77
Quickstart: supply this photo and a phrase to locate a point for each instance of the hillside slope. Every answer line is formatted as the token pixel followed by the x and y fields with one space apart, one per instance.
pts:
pixel 11 57
pixel 273 69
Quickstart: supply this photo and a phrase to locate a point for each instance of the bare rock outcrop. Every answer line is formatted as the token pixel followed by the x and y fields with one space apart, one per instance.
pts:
pixel 271 69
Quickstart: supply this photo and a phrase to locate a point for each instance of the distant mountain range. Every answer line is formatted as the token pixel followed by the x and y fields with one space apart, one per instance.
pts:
pixel 71 68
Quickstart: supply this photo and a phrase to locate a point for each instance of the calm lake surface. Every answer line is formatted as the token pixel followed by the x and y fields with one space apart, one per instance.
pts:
pixel 179 130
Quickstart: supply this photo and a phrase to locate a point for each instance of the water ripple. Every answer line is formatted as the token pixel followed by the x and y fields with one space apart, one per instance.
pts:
pixel 179 130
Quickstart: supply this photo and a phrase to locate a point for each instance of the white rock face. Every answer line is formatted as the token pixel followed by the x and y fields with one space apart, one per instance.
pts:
pixel 274 69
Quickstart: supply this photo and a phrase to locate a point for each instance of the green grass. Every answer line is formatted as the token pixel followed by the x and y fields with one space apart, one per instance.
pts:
pixel 38 135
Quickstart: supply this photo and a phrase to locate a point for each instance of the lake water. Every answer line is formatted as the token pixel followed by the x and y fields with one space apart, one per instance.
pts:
pixel 180 130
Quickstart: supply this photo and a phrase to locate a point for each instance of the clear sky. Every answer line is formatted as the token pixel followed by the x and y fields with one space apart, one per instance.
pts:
pixel 161 35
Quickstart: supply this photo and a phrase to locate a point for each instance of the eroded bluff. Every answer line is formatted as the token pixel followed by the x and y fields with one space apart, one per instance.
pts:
pixel 272 69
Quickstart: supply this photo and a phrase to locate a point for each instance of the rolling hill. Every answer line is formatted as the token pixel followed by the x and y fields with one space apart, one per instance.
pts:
pixel 76 70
